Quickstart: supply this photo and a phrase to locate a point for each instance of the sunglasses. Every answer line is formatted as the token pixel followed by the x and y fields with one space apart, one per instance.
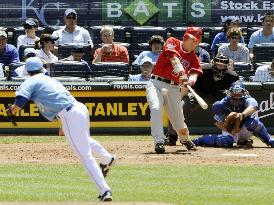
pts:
pixel 71 17
pixel 50 42
pixel 234 37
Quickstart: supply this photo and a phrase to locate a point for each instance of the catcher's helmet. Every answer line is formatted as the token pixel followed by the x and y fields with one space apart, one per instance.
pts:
pixel 219 71
pixel 237 95
pixel 195 33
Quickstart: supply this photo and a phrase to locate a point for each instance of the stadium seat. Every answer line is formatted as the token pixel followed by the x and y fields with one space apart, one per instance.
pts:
pixel 135 69
pixel 119 34
pixel 64 51
pixel 177 32
pixel 114 69
pixel 244 71
pixel 263 52
pixel 72 69
pixel 142 34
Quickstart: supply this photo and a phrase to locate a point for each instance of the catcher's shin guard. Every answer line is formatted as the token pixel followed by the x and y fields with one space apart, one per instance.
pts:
pixel 259 130
pixel 214 140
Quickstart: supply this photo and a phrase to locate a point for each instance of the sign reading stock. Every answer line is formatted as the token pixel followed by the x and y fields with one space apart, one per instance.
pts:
pixel 137 12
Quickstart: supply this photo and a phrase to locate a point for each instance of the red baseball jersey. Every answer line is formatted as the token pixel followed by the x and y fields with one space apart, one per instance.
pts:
pixel 173 47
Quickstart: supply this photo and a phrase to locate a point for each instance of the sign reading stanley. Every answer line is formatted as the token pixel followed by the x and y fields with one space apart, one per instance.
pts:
pixel 106 109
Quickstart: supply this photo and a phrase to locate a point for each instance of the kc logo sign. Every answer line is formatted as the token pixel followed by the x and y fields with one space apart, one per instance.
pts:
pixel 143 10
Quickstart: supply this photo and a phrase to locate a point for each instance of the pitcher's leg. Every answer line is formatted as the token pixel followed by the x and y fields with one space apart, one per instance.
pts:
pixel 76 130
pixel 104 156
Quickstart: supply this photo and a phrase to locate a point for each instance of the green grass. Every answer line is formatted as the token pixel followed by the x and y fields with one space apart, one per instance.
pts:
pixel 191 185
pixel 159 183
pixel 49 139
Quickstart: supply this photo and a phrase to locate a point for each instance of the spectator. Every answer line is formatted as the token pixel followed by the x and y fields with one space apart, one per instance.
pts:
pixel 110 51
pixel 234 51
pixel 76 55
pixel 2 70
pixel 71 33
pixel 8 53
pixel 46 46
pixel 265 73
pixel 156 43
pixel 30 26
pixel 222 37
pixel 263 35
pixel 146 66
pixel 211 84
pixel 22 71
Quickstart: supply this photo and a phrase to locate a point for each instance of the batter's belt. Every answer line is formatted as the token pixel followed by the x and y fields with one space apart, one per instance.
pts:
pixel 164 80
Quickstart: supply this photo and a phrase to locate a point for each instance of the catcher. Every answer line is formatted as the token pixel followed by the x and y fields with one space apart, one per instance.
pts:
pixel 235 116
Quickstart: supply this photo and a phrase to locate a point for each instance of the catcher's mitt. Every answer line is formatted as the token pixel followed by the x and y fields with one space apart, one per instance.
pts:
pixel 11 117
pixel 232 123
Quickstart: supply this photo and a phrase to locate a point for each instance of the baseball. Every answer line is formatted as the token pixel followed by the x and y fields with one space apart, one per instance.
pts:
pixel 164 91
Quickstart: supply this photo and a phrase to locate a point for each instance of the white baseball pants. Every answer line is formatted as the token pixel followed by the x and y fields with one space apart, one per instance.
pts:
pixel 76 124
pixel 156 103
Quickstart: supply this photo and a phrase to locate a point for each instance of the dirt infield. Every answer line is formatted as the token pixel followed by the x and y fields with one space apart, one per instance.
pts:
pixel 139 152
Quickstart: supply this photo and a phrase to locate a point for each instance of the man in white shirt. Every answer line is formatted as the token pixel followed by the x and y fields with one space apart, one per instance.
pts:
pixel 265 73
pixel 71 33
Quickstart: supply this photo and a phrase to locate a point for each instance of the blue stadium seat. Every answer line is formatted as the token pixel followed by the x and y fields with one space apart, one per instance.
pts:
pixel 142 34
pixel 114 69
pixel 73 69
pixel 244 70
pixel 119 34
pixel 135 69
pixel 177 32
pixel 263 52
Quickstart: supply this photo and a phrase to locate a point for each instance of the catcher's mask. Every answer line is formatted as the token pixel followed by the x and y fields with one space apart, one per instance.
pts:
pixel 220 65
pixel 237 95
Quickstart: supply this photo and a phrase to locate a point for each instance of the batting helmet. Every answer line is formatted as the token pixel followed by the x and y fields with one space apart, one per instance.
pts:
pixel 195 33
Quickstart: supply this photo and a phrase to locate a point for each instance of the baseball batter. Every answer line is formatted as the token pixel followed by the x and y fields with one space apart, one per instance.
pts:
pixel 237 100
pixel 53 100
pixel 177 65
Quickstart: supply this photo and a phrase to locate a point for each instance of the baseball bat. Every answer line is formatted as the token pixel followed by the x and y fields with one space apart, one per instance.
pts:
pixel 200 100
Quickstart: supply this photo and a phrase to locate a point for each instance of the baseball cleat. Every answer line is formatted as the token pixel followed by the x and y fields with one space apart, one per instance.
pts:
pixel 246 143
pixel 106 167
pixel 107 196
pixel 159 148
pixel 189 145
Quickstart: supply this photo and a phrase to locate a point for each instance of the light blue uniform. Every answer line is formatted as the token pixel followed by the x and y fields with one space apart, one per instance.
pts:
pixel 50 95
pixel 53 100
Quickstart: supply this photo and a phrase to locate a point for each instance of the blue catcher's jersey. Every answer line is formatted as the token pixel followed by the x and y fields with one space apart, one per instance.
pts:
pixel 230 106
pixel 50 95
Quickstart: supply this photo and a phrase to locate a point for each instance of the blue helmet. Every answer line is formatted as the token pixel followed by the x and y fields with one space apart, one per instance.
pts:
pixel 34 64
